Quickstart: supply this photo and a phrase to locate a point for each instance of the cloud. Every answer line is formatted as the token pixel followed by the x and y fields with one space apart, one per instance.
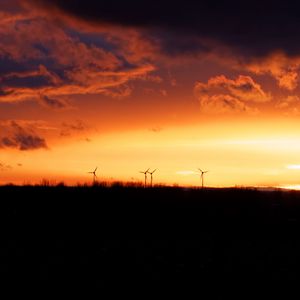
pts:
pixel 53 103
pixel 119 92
pixel 90 51
pixel 23 141
pixel 243 87
pixel 223 95
pixel 4 167
pixel 269 45
pixel 21 137
pixel 289 105
pixel 252 29
pixel 83 83
pixel 222 104
pixel 288 102
pixel 69 128
pixel 42 71
pixel 283 68
pixel 48 68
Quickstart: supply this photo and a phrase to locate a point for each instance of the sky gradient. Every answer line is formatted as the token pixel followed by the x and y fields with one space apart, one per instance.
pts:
pixel 128 86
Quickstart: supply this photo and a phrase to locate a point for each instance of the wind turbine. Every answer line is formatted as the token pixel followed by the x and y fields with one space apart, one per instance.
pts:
pixel 202 176
pixel 145 173
pixel 94 174
pixel 151 173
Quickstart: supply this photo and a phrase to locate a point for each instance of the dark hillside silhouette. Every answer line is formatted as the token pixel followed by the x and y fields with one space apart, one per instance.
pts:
pixel 128 239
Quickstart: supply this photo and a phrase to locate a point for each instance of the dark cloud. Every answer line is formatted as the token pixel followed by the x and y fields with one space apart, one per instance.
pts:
pixel 29 142
pixel 29 82
pixel 8 65
pixel 8 142
pixel 69 128
pixel 54 103
pixel 21 138
pixel 255 27
pixel 77 125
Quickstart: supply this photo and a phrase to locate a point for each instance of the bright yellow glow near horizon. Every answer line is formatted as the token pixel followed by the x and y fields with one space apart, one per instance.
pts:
pixel 234 153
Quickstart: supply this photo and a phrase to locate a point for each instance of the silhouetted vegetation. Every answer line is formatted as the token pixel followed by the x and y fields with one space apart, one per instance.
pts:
pixel 130 238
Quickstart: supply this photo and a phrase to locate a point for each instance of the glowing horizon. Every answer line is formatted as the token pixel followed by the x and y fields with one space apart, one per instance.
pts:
pixel 177 153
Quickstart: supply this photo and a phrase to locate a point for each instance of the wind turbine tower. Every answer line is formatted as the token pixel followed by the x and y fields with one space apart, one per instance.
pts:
pixel 151 174
pixel 202 176
pixel 145 173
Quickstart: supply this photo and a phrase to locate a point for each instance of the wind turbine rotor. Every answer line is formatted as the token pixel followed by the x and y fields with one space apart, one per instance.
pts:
pixel 152 171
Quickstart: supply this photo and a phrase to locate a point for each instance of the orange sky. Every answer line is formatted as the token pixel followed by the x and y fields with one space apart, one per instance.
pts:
pixel 113 97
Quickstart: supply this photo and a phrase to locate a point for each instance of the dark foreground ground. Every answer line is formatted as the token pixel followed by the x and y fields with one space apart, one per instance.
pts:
pixel 218 243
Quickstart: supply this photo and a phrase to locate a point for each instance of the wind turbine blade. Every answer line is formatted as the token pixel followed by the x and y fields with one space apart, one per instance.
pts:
pixel 147 170
pixel 200 170
pixel 153 171
pixel 96 169
pixel 142 172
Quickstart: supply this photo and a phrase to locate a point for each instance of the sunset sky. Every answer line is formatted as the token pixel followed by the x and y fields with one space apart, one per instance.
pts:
pixel 131 85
